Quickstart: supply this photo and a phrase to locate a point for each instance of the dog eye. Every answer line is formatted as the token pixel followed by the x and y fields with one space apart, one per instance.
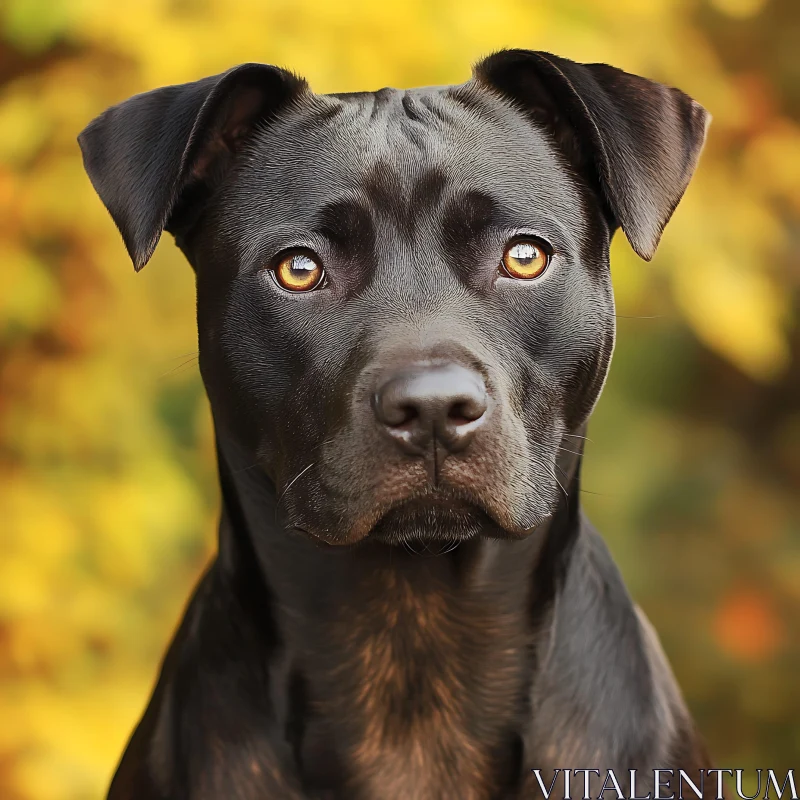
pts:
pixel 525 259
pixel 298 272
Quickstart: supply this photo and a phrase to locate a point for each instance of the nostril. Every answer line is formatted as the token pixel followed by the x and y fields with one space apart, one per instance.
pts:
pixel 403 416
pixel 466 411
pixel 391 411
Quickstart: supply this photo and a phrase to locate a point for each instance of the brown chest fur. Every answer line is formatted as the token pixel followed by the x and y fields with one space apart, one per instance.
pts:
pixel 431 687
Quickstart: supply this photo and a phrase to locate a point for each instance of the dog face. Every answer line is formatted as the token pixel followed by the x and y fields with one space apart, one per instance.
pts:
pixel 404 300
pixel 419 384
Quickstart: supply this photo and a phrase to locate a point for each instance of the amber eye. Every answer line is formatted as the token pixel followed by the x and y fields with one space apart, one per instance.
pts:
pixel 525 259
pixel 299 273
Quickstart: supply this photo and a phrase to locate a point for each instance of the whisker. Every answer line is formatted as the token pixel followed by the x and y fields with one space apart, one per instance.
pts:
pixel 293 480
pixel 322 444
pixel 566 494
pixel 576 436
pixel 244 469
pixel 428 553
pixel 410 549
pixel 180 366
pixel 313 449
pixel 541 447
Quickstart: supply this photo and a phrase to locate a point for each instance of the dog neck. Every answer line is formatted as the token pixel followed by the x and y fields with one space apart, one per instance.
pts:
pixel 385 653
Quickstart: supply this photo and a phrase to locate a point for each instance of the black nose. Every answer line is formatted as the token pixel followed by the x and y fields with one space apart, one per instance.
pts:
pixel 446 403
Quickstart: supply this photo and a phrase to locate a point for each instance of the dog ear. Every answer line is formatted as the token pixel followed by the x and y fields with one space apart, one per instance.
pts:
pixel 155 157
pixel 637 139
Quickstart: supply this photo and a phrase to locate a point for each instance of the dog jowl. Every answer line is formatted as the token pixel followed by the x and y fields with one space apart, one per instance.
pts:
pixel 405 318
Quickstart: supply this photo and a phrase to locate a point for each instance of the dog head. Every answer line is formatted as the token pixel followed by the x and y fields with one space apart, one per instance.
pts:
pixel 404 300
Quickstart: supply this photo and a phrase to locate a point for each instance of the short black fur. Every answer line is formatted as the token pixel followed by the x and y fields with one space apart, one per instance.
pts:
pixel 407 601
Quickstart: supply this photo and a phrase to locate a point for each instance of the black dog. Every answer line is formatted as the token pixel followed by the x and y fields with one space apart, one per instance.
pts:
pixel 405 319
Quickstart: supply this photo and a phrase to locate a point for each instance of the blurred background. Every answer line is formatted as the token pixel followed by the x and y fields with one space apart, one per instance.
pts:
pixel 108 496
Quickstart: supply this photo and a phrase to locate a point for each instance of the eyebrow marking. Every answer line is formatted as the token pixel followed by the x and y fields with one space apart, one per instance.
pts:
pixel 465 219
pixel 405 208
pixel 349 226
pixel 467 216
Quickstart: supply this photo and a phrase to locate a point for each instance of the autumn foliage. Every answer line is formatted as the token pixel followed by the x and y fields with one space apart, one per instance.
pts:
pixel 108 497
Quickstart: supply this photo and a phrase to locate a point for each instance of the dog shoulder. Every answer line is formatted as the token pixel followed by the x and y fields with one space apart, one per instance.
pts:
pixel 626 711
pixel 210 728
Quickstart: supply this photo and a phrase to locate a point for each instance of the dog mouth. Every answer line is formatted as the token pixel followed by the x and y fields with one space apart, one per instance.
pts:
pixel 433 517
pixel 435 522
pixel 399 504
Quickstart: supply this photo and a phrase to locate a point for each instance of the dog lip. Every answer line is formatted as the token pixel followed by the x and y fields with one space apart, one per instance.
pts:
pixel 435 500
pixel 457 508
pixel 444 505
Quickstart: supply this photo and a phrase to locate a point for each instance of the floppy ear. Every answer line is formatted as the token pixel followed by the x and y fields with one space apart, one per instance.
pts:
pixel 154 158
pixel 639 140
